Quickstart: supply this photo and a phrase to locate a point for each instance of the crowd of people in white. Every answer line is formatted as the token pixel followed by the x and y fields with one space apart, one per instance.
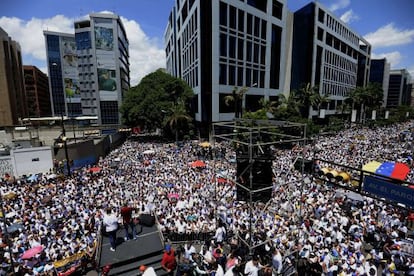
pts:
pixel 331 234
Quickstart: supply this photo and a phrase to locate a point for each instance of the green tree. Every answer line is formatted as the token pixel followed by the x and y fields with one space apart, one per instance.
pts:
pixel 147 103
pixel 236 98
pixel 177 118
pixel 366 98
pixel 286 107
pixel 308 96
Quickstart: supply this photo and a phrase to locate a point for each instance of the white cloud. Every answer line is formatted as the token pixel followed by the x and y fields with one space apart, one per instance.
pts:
pixel 394 58
pixel 145 55
pixel 29 34
pixel 349 17
pixel 339 4
pixel 389 35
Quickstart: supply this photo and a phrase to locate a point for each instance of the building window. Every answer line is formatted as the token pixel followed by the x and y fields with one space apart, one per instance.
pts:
pixel 232 47
pixel 233 17
pixel 320 34
pixel 253 102
pixel 223 74
pixel 109 112
pixel 321 15
pixel 249 23
pixel 240 48
pixel 232 75
pixel 241 21
pixel 258 4
pixel 223 14
pixel 223 107
pixel 223 45
pixel 277 9
pixel 275 56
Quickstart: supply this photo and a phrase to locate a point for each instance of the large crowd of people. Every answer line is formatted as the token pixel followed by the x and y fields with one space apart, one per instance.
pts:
pixel 318 224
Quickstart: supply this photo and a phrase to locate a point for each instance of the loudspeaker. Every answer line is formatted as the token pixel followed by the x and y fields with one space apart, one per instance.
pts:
pixel 146 220
pixel 308 165
pixel 262 174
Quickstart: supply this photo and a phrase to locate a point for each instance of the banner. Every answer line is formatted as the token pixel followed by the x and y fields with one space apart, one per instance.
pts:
pixel 70 70
pixel 104 38
pixel 384 189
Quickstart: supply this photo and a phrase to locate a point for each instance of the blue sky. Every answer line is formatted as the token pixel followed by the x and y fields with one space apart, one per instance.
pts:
pixel 387 24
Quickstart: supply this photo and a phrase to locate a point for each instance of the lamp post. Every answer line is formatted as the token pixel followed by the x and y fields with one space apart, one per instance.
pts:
pixel 65 145
pixel 70 114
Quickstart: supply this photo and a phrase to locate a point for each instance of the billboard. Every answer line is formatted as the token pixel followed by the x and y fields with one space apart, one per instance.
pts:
pixel 70 69
pixel 385 189
pixel 106 61
pixel 107 79
pixel 107 84
pixel 72 90
pixel 104 38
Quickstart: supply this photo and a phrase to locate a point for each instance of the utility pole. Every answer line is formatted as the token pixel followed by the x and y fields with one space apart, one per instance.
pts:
pixel 65 145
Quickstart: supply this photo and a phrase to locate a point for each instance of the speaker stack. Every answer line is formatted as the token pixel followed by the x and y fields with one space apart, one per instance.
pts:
pixel 260 168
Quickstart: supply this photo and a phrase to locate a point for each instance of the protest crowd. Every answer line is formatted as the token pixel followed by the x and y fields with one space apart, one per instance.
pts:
pixel 307 226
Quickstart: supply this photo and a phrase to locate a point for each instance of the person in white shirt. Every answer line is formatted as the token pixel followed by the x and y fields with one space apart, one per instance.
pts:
pixel 147 270
pixel 252 267
pixel 220 233
pixel 110 222
pixel 189 250
pixel 277 261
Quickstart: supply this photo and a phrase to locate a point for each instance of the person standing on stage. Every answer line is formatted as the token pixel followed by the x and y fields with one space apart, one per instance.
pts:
pixel 110 222
pixel 168 262
pixel 128 222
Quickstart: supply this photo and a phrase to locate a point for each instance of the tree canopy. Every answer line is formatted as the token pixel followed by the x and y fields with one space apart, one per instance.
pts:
pixel 149 103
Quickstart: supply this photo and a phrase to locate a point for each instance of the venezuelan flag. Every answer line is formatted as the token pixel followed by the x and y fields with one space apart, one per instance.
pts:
pixel 394 170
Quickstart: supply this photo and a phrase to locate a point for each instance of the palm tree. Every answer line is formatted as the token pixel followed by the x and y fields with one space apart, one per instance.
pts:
pixel 370 96
pixel 177 117
pixel 287 107
pixel 308 96
pixel 236 98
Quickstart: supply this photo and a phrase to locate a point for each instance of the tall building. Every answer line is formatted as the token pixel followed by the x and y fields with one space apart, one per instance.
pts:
pixel 380 73
pixel 103 62
pixel 89 70
pixel 62 64
pixel 328 55
pixel 399 88
pixel 218 45
pixel 13 102
pixel 37 92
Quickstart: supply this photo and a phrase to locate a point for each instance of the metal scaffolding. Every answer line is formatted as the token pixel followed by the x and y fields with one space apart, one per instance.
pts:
pixel 252 139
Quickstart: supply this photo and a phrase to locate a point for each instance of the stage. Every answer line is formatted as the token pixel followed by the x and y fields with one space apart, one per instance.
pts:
pixel 147 250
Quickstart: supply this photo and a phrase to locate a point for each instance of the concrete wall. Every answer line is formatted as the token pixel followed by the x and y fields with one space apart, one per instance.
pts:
pixel 32 160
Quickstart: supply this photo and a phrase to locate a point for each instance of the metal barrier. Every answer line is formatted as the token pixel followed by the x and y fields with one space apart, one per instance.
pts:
pixel 182 237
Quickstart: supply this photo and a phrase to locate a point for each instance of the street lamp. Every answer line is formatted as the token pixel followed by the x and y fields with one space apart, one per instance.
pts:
pixel 65 145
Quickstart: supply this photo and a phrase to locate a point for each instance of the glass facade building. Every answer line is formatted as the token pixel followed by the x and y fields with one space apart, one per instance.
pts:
pixel 89 70
pixel 63 74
